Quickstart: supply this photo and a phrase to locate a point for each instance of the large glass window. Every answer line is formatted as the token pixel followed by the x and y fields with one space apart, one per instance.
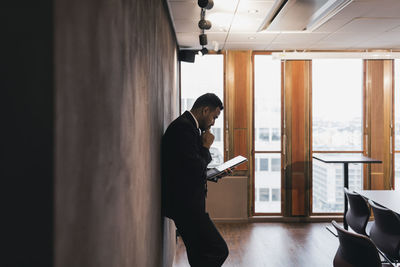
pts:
pixel 397 124
pixel 206 75
pixel 337 127
pixel 267 133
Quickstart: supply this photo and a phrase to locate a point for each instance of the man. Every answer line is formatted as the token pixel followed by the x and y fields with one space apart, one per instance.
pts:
pixel 185 156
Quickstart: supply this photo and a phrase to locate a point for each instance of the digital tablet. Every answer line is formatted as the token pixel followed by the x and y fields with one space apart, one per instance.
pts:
pixel 212 174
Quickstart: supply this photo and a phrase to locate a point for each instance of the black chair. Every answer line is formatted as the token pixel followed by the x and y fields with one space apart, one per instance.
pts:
pixel 385 231
pixel 358 214
pixel 355 250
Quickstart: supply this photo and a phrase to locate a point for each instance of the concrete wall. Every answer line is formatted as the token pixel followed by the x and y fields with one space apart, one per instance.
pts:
pixel 116 92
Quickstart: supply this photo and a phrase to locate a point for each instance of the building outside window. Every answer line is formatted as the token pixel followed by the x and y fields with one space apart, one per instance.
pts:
pixel 193 85
pixel 263 134
pixel 267 132
pixel 337 127
pixel 397 124
pixel 264 194
pixel 263 164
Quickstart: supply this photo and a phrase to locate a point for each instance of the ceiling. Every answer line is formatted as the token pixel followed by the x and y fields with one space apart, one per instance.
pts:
pixel 362 24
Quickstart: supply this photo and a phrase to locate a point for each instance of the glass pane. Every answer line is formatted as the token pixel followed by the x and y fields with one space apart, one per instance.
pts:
pixel 268 183
pixel 397 123
pixel 267 103
pixel 276 194
pixel 264 194
pixel 337 104
pixel 396 171
pixel 206 75
pixel 328 195
pixel 397 103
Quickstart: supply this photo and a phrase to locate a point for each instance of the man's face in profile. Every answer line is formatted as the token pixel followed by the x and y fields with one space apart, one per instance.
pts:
pixel 209 115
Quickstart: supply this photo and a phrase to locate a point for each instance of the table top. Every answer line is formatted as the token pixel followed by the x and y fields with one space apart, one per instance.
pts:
pixel 388 198
pixel 344 158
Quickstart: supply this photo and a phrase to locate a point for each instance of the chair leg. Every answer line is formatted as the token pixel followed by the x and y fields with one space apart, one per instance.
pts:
pixel 387 259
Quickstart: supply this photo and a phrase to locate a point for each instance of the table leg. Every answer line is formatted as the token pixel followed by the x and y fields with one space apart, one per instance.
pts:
pixel 346 185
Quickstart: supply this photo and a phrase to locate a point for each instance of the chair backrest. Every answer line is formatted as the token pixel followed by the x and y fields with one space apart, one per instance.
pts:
pixel 358 213
pixel 355 250
pixel 385 231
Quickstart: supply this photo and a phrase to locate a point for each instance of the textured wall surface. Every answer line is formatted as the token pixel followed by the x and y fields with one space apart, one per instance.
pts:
pixel 116 91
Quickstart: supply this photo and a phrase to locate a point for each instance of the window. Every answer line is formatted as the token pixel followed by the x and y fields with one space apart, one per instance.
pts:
pixel 263 164
pixel 276 164
pixel 217 134
pixel 276 194
pixel 264 194
pixel 267 132
pixel 263 134
pixel 397 124
pixel 194 85
pixel 336 127
pixel 276 134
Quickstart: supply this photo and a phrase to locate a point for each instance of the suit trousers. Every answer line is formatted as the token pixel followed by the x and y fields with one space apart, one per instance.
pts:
pixel 205 246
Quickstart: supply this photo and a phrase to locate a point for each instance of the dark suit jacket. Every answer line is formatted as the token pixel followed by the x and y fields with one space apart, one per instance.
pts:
pixel 184 165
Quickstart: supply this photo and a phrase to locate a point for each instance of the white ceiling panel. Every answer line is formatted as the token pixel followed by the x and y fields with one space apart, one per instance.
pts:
pixel 335 46
pixel 219 37
pixel 355 9
pixel 348 39
pixel 363 24
pixel 299 38
pixel 188 40
pixel 254 9
pixel 397 29
pixel 184 25
pixel 287 46
pixel 250 15
pixel 332 25
pixel 221 21
pixel 243 23
pixel 384 8
pixel 228 6
pixel 251 37
pixel 386 39
pixel 184 10
pixel 370 25
pixel 244 46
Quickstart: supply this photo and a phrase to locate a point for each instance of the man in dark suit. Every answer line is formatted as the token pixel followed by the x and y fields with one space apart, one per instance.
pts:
pixel 185 156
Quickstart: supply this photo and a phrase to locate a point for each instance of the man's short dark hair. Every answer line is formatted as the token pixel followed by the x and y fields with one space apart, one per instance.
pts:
pixel 208 100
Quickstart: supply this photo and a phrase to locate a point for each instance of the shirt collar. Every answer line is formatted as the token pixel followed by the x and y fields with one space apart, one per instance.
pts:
pixel 197 123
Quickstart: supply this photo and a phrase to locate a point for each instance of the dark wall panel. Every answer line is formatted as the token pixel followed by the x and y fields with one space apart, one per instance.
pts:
pixel 26 143
pixel 115 94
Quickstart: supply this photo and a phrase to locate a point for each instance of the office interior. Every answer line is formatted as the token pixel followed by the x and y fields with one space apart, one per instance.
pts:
pixel 91 86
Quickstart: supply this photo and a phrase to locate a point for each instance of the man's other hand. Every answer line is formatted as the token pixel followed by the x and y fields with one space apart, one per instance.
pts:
pixel 208 138
pixel 225 173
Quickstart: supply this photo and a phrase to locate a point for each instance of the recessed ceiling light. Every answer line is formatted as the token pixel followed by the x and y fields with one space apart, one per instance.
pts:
pixel 252 11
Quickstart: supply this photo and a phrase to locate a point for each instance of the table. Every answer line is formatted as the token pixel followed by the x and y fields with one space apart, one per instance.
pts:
pixel 345 159
pixel 390 199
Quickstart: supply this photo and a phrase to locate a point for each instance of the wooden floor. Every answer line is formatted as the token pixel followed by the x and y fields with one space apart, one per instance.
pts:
pixel 273 244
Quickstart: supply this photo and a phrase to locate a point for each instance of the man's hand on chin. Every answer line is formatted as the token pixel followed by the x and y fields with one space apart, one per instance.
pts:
pixel 207 138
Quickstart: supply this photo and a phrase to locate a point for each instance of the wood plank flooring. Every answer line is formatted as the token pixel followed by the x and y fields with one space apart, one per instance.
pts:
pixel 273 244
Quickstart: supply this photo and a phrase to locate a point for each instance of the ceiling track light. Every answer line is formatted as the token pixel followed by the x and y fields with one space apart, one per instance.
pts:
pixel 203 51
pixel 205 24
pixel 203 39
pixel 207 4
